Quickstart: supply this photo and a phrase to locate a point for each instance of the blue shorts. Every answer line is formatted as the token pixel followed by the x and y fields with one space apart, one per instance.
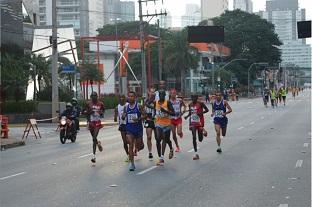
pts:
pixel 136 135
pixel 163 128
pixel 221 121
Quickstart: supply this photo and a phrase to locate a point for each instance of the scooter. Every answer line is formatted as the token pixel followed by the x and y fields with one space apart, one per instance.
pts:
pixel 66 130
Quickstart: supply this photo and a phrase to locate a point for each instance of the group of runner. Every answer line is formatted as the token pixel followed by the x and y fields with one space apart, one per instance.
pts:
pixel 160 114
pixel 275 95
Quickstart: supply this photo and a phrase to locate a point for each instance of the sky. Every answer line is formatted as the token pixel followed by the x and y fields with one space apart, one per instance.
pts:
pixel 177 8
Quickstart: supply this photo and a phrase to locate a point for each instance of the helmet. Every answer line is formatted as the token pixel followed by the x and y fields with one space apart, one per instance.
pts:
pixel 74 100
pixel 68 105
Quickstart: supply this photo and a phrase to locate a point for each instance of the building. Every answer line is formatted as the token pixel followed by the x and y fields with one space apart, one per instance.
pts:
pixel 244 5
pixel 84 15
pixel 11 23
pixel 192 15
pixel 284 14
pixel 213 8
pixel 165 21
pixel 116 10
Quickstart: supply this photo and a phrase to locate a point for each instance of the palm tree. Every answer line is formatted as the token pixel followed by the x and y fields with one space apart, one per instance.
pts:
pixel 91 74
pixel 179 56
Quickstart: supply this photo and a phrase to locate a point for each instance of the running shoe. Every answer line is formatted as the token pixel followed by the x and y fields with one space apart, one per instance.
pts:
pixel 178 149
pixel 196 157
pixel 93 160
pixel 99 146
pixel 160 162
pixel 219 150
pixel 171 154
pixel 205 133
pixel 131 167
pixel 150 156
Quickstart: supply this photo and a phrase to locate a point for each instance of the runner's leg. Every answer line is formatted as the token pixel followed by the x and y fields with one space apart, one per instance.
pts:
pixel 149 132
pixel 218 138
pixel 125 142
pixel 174 136
pixel 158 140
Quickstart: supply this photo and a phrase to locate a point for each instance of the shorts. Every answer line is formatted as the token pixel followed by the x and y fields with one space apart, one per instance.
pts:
pixel 122 128
pixel 163 128
pixel 222 122
pixel 149 124
pixel 136 135
pixel 95 124
pixel 176 122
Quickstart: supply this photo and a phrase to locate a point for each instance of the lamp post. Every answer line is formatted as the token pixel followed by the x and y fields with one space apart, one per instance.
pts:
pixel 261 63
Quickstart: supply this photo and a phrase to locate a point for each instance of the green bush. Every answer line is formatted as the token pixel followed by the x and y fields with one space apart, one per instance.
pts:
pixel 110 101
pixel 21 107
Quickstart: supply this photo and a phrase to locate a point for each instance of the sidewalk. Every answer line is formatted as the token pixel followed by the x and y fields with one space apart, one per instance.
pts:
pixel 10 143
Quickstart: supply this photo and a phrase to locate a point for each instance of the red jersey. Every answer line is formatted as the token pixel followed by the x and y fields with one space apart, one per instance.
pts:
pixel 195 119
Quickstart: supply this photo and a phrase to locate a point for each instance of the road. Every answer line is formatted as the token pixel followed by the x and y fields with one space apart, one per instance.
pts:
pixel 266 161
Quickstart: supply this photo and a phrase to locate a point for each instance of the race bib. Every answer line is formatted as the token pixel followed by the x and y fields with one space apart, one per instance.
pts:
pixel 195 118
pixel 132 118
pixel 95 116
pixel 160 114
pixel 218 113
pixel 176 108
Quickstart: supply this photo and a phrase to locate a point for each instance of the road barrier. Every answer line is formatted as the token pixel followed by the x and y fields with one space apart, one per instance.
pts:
pixel 4 121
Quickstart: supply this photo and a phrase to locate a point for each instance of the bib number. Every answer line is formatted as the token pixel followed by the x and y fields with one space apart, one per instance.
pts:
pixel 195 118
pixel 218 113
pixel 132 118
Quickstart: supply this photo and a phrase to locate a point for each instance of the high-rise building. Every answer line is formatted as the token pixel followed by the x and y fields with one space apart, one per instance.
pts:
pixel 11 23
pixel 85 15
pixel 165 21
pixel 213 8
pixel 284 14
pixel 116 10
pixel 244 5
pixel 192 15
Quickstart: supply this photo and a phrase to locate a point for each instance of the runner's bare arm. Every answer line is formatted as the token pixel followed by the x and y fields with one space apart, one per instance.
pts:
pixel 189 113
pixel 143 114
pixel 123 117
pixel 227 105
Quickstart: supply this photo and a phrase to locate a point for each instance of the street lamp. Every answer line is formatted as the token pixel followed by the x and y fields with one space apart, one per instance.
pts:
pixel 262 64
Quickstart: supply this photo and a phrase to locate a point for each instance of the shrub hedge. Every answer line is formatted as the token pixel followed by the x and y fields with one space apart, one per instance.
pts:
pixel 21 107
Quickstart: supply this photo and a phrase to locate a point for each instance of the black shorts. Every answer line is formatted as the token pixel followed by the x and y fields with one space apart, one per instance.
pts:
pixel 149 124
pixel 122 128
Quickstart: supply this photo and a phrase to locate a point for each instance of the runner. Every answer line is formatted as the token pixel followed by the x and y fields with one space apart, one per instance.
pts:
pixel 94 111
pixel 293 90
pixel 279 94
pixel 119 110
pixel 266 94
pixel 196 113
pixel 219 113
pixel 273 97
pixel 149 124
pixel 163 126
pixel 176 120
pixel 133 114
pixel 162 86
pixel 284 93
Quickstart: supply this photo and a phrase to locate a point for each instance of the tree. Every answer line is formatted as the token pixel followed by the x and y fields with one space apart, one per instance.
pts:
pixel 179 57
pixel 249 37
pixel 91 74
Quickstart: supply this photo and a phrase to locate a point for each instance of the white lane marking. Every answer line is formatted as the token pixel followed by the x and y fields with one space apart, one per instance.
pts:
pixel 11 176
pixel 192 150
pixel 240 128
pixel 147 170
pixel 86 155
pixel 262 117
pixel 250 102
pixel 299 163
pixel 283 205
pixel 306 145
pixel 251 123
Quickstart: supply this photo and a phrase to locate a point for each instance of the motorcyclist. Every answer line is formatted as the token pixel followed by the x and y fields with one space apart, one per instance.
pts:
pixel 77 112
pixel 70 114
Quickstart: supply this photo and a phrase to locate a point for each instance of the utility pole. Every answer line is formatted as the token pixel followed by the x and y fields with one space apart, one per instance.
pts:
pixel 143 79
pixel 159 53
pixel 55 92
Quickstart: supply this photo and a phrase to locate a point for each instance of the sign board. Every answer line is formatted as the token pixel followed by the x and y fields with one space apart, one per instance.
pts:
pixel 68 68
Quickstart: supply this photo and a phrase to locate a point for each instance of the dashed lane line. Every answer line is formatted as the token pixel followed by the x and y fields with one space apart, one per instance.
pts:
pixel 11 176
pixel 86 155
pixel 252 123
pixel 147 170
pixel 306 145
pixel 299 163
pixel 283 205
pixel 240 128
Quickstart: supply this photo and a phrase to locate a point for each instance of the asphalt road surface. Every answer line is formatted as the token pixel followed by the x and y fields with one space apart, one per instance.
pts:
pixel 266 161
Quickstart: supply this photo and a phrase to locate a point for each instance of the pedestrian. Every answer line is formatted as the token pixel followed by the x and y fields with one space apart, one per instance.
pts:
pixel 196 123
pixel 176 120
pixel 273 97
pixel 220 109
pixel 119 111
pixel 207 96
pixel 149 123
pixel 133 114
pixel 94 111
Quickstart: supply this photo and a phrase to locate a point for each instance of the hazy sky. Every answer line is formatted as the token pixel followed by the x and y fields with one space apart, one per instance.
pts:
pixel 177 7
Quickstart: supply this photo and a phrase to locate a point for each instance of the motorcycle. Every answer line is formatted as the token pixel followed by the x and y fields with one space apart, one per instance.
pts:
pixel 66 130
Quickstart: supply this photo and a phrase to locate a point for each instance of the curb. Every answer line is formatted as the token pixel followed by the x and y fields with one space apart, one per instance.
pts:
pixel 12 145
pixel 81 124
